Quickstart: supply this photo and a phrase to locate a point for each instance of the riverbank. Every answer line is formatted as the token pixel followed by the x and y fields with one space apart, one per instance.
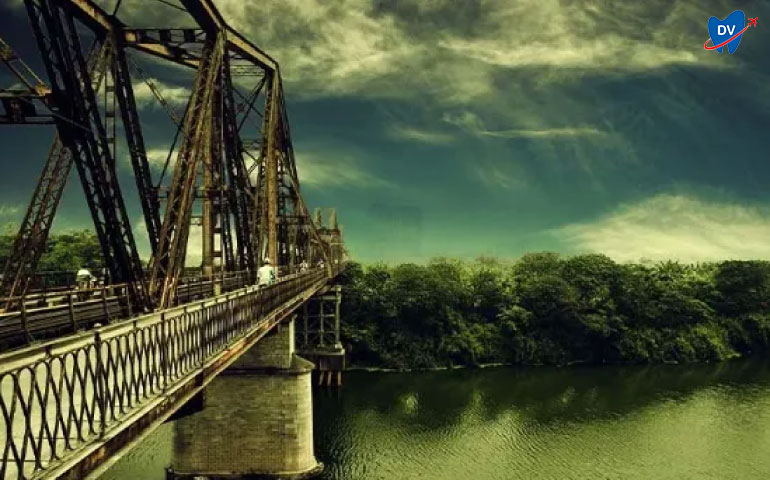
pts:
pixel 482 366
pixel 361 368
pixel 548 310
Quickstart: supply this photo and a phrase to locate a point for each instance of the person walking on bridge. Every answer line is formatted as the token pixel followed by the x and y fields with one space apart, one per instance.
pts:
pixel 266 274
pixel 84 280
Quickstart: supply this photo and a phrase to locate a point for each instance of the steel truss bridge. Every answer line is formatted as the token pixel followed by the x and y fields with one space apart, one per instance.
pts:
pixel 120 358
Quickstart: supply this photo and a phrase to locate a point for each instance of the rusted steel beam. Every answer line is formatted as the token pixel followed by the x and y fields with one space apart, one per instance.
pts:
pixel 271 170
pixel 168 261
pixel 270 217
pixel 82 131
pixel 177 55
pixel 148 196
pixel 93 16
pixel 208 17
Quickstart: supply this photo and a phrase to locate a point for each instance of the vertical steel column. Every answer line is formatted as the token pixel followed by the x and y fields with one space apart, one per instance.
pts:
pixel 321 320
pixel 338 301
pixel 271 173
pixel 272 176
pixel 207 216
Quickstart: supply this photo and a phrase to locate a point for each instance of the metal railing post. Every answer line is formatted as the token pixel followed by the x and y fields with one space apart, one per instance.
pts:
pixel 101 384
pixel 128 301
pixel 230 317
pixel 24 324
pixel 163 350
pixel 202 337
pixel 71 304
pixel 104 304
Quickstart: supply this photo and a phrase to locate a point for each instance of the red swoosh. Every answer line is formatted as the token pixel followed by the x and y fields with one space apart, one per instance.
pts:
pixel 713 47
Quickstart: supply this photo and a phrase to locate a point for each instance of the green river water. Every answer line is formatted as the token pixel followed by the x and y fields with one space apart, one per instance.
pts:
pixel 611 422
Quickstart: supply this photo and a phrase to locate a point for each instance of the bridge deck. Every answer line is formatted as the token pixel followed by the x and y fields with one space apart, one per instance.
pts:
pixel 69 404
pixel 57 313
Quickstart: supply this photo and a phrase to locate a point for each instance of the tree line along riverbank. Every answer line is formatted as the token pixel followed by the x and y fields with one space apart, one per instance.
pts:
pixel 553 310
pixel 541 309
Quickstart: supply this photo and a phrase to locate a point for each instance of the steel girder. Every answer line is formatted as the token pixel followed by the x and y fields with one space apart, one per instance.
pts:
pixel 30 241
pixel 20 103
pixel 84 135
pixel 148 196
pixel 208 17
pixel 216 211
pixel 110 27
pixel 267 216
pixel 168 260
pixel 239 185
pixel 21 71
pixel 100 21
pixel 271 170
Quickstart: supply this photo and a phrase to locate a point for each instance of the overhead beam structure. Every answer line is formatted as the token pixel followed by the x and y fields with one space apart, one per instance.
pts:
pixel 231 166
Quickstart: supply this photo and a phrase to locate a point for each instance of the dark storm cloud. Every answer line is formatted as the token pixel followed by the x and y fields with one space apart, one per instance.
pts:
pixel 427 19
pixel 510 126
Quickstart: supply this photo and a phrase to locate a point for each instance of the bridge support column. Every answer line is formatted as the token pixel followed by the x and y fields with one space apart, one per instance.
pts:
pixel 261 419
pixel 319 335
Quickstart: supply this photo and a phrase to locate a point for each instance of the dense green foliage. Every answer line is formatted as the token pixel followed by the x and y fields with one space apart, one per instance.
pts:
pixel 545 309
pixel 542 309
pixel 65 252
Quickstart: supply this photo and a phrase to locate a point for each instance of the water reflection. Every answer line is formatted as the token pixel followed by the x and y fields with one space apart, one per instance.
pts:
pixel 702 421
pixel 545 393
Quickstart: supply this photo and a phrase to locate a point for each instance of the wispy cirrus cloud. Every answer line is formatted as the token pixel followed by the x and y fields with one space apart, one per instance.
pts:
pixel 336 170
pixel 8 210
pixel 471 123
pixel 677 226
pixel 553 133
pixel 156 157
pixel 454 52
pixel 421 135
pixel 509 178
pixel 175 95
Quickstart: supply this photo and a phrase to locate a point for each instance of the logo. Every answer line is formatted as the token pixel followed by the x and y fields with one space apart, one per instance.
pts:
pixel 728 31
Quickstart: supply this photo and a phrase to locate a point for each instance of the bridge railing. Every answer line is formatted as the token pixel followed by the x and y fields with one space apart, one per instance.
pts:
pixel 50 314
pixel 60 397
pixel 44 298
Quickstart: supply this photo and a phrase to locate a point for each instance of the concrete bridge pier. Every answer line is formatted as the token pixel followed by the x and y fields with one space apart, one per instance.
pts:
pixel 258 423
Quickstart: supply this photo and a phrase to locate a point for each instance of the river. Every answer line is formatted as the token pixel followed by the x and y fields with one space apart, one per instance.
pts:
pixel 624 422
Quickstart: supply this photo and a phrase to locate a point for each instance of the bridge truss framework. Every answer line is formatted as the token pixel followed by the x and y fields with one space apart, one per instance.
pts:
pixel 251 209
pixel 68 404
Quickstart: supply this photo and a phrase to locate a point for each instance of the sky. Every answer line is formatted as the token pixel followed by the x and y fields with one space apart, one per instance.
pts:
pixel 487 128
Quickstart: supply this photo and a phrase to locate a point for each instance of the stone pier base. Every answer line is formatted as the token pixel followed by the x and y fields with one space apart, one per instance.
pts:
pixel 258 422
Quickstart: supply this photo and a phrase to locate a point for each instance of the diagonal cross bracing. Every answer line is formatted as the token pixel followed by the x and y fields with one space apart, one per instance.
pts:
pixel 196 143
